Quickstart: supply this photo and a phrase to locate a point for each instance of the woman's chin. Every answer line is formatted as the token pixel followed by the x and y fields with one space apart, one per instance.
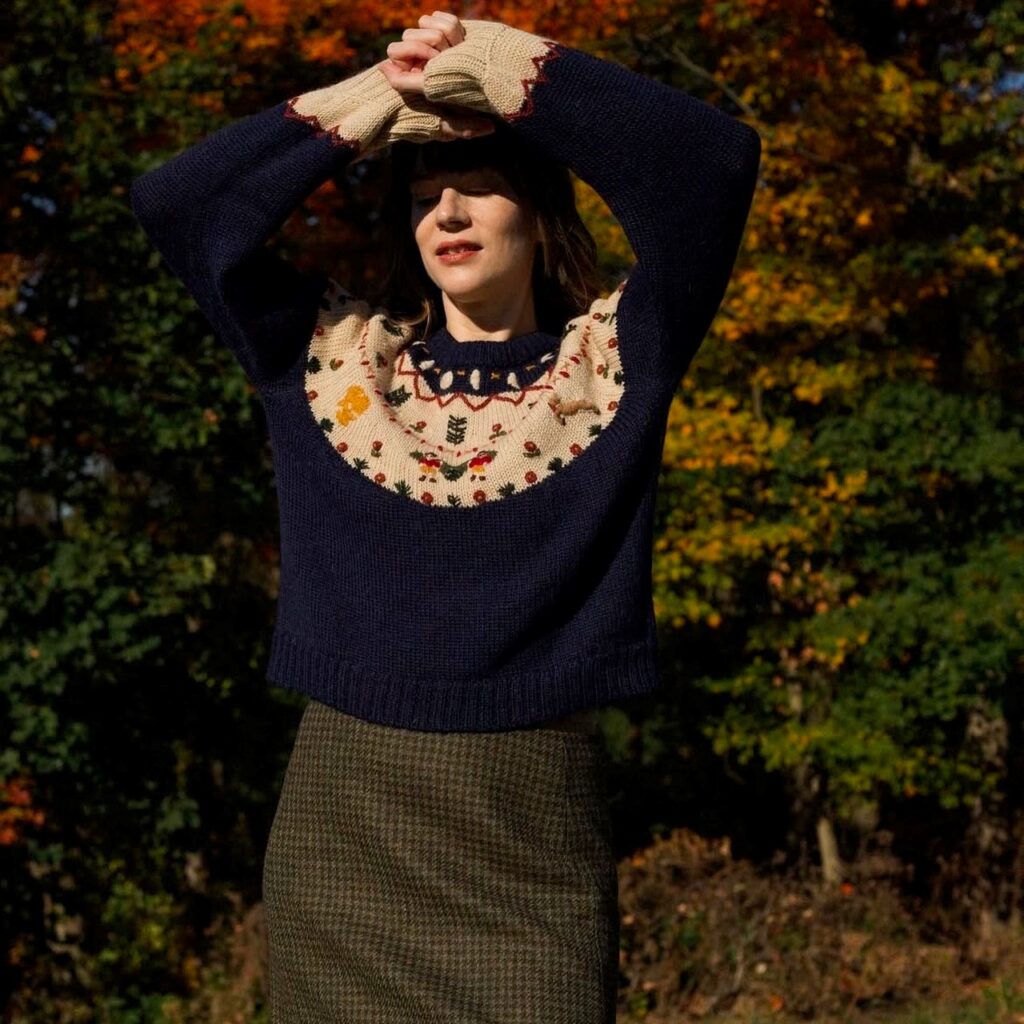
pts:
pixel 465 286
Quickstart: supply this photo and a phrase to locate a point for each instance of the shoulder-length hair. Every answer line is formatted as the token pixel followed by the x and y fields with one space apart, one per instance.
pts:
pixel 565 271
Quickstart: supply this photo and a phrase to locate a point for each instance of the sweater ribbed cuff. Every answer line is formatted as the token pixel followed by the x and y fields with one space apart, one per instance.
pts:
pixel 492 70
pixel 364 111
pixel 414 122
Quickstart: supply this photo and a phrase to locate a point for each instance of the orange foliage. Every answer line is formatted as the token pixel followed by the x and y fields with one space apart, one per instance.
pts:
pixel 16 811
pixel 14 268
pixel 148 32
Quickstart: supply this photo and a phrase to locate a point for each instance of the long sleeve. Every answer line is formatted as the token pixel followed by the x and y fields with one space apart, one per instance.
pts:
pixel 677 173
pixel 210 209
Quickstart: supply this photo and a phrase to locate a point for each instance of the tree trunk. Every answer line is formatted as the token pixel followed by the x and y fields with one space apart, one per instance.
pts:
pixel 828 848
pixel 987 871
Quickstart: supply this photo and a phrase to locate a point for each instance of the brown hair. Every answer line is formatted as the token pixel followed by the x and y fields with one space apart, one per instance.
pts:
pixel 565 274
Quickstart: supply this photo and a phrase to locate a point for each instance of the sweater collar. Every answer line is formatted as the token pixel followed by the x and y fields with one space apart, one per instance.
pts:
pixel 449 352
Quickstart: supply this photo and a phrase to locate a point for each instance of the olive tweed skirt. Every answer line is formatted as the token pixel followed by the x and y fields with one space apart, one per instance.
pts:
pixel 458 878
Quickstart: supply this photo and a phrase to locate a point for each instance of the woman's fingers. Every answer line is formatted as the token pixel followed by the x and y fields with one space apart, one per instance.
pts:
pixel 464 127
pixel 404 66
pixel 447 23
pixel 412 50
pixel 437 31
pixel 435 37
pixel 405 77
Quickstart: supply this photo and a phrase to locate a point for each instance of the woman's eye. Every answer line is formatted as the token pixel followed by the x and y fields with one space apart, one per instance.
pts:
pixel 426 200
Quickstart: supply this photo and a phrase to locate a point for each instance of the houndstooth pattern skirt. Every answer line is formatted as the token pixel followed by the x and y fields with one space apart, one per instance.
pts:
pixel 441 878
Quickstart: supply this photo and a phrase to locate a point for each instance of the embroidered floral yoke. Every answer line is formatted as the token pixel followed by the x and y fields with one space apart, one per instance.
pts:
pixel 466 526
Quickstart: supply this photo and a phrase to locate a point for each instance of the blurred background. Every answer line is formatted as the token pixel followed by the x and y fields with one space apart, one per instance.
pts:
pixel 821 814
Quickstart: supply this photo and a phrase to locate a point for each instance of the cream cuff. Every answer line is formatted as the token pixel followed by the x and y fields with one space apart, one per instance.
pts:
pixel 493 70
pixel 365 110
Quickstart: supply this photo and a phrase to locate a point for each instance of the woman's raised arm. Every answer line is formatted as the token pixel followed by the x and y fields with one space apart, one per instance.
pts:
pixel 677 173
pixel 210 209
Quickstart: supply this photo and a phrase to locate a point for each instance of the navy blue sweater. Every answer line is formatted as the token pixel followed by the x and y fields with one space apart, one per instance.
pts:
pixel 466 526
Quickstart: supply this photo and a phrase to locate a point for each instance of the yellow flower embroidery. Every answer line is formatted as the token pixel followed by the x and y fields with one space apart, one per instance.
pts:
pixel 354 403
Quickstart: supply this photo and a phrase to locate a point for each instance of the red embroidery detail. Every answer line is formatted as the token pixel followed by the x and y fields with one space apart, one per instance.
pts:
pixel 554 50
pixel 320 132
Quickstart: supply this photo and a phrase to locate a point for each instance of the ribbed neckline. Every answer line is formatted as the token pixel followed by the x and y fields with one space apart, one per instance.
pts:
pixel 450 352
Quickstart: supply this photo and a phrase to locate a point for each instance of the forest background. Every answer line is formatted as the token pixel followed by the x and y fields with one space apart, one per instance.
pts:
pixel 822 811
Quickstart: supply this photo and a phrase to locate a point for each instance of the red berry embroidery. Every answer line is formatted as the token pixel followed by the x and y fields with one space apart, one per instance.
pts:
pixel 531 477
pixel 575 449
pixel 379 478
pixel 479 496
pixel 341 446
pixel 311 395
pixel 428 498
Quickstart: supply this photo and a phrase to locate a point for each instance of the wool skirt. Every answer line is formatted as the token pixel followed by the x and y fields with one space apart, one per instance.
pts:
pixel 441 878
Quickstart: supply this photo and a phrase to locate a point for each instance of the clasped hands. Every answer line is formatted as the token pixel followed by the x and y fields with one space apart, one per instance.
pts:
pixel 404 70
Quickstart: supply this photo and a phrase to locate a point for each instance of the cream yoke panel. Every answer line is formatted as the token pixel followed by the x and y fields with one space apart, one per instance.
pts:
pixel 380 416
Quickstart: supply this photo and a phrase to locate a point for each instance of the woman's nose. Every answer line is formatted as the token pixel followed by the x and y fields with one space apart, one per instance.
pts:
pixel 449 206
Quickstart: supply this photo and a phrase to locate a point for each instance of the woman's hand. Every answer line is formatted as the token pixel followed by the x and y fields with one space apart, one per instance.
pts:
pixel 404 70
pixel 437 32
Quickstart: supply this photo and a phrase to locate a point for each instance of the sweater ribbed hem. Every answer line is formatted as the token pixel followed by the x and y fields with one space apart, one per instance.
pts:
pixel 490 705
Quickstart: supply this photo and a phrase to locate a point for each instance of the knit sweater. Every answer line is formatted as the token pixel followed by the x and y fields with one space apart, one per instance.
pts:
pixel 465 525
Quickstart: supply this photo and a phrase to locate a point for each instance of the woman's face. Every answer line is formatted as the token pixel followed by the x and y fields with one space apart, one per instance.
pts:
pixel 477 205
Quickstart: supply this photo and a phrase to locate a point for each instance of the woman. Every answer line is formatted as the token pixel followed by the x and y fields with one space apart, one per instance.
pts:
pixel 466 476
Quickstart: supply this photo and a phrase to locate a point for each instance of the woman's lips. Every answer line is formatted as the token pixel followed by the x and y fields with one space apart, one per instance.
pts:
pixel 458 256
